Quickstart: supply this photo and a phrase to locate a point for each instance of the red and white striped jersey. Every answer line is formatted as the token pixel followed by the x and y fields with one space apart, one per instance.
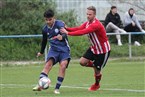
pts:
pixel 96 34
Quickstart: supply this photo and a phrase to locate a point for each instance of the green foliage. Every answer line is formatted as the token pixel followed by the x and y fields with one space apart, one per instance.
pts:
pixel 11 49
pixel 123 51
pixel 68 17
pixel 78 45
pixel 25 17
pixel 22 17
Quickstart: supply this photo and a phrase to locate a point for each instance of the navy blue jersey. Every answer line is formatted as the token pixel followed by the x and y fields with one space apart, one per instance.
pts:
pixel 50 33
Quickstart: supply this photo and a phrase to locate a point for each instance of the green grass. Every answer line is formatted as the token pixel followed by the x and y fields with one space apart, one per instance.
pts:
pixel 126 76
pixel 123 51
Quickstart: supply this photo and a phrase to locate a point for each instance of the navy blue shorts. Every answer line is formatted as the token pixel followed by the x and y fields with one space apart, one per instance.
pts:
pixel 58 56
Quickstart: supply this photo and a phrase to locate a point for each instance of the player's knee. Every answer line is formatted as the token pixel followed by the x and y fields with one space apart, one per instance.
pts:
pixel 62 67
pixel 82 63
pixel 110 23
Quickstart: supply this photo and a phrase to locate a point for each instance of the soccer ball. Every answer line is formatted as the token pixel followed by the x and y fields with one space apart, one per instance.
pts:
pixel 44 82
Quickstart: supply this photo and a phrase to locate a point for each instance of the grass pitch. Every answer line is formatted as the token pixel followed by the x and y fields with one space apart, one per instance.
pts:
pixel 121 78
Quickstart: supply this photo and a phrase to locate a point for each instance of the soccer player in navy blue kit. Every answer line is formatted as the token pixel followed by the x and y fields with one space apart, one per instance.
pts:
pixel 59 50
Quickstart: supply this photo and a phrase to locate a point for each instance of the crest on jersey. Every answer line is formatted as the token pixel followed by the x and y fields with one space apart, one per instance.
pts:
pixel 47 33
pixel 56 30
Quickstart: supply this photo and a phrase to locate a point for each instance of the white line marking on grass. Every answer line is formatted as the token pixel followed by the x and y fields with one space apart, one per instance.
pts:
pixel 128 90
pixel 115 89
pixel 72 87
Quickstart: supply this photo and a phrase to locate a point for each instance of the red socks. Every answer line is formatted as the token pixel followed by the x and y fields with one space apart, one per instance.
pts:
pixel 98 78
pixel 90 64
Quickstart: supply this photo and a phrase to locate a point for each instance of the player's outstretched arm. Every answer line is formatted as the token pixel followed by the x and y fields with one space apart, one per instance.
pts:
pixel 71 29
pixel 90 29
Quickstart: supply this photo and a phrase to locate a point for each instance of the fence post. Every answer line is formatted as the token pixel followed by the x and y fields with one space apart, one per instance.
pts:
pixel 129 44
pixel 46 53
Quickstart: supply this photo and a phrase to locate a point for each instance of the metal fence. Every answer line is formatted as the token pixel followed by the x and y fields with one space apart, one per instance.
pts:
pixel 36 36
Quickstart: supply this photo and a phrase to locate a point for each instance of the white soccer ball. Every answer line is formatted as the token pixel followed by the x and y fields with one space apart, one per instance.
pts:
pixel 44 82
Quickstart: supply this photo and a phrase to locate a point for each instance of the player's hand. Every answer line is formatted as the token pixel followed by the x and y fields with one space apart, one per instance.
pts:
pixel 63 31
pixel 38 54
pixel 59 37
pixel 133 24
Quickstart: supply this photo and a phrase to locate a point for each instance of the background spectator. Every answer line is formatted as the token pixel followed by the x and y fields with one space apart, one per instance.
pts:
pixel 131 24
pixel 113 23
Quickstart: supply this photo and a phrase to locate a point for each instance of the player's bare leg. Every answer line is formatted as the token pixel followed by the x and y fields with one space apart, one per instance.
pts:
pixel 61 75
pixel 44 73
pixel 48 66
pixel 97 73
pixel 84 61
pixel 87 63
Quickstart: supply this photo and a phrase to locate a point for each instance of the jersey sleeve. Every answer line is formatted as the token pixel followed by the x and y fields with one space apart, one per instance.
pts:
pixel 76 28
pixel 92 28
pixel 44 42
pixel 60 25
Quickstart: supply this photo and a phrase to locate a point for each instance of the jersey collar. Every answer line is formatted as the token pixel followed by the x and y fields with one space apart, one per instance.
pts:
pixel 52 25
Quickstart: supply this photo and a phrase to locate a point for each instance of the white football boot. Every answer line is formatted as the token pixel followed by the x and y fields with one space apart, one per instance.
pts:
pixel 56 91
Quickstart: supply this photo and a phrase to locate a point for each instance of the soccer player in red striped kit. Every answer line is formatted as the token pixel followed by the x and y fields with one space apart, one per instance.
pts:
pixel 97 54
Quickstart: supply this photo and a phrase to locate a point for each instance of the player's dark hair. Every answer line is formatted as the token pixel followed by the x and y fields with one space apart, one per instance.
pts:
pixel 92 8
pixel 49 13
pixel 131 9
pixel 112 7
